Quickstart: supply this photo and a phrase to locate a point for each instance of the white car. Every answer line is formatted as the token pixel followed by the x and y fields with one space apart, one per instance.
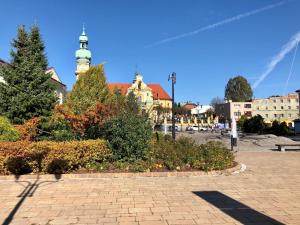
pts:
pixel 196 128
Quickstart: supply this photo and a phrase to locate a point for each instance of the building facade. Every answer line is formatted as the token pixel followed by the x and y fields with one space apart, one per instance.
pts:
pixel 152 98
pixel 280 108
pixel 228 110
pixel 297 121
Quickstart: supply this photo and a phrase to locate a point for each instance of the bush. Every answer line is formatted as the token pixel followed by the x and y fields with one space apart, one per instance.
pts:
pixel 254 125
pixel 29 130
pixel 51 157
pixel 56 128
pixel 129 136
pixel 280 129
pixel 7 131
pixel 216 156
pixel 184 154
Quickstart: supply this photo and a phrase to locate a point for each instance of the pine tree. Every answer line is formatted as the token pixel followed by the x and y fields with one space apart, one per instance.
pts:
pixel 89 89
pixel 27 91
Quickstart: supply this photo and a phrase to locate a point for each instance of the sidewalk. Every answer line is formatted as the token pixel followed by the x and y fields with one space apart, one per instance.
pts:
pixel 268 192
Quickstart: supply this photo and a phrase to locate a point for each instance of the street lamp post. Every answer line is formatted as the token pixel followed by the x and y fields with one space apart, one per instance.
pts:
pixel 173 78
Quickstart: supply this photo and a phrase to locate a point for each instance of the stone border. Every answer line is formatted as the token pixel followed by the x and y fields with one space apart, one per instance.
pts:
pixel 234 170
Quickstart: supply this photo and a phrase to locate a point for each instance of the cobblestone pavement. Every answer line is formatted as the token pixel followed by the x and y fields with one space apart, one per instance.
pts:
pixel 268 192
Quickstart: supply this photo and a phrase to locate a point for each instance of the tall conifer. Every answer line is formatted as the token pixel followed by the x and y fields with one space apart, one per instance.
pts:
pixel 27 91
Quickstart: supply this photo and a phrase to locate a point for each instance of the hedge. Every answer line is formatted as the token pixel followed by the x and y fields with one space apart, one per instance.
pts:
pixel 50 157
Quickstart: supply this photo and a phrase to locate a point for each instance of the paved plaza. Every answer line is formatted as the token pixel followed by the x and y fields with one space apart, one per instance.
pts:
pixel 267 192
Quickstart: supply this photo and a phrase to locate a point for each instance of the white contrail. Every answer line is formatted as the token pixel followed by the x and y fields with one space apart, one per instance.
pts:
pixel 291 70
pixel 278 58
pixel 220 23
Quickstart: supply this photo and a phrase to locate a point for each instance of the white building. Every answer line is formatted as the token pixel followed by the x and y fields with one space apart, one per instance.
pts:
pixel 200 110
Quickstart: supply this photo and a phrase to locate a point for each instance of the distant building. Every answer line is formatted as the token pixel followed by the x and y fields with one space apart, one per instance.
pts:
pixel 228 110
pixel 60 88
pixel 189 106
pixel 200 110
pixel 297 121
pixel 280 108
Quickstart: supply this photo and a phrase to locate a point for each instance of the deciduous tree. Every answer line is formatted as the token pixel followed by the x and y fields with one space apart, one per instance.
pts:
pixel 238 90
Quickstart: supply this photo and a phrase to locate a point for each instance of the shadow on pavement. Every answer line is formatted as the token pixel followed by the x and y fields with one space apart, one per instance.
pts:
pixel 235 209
pixel 29 190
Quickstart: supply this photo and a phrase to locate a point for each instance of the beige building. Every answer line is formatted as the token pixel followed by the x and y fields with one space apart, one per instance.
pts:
pixel 280 108
pixel 228 110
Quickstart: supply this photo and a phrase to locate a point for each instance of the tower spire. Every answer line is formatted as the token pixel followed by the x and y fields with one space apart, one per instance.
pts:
pixel 83 29
pixel 83 54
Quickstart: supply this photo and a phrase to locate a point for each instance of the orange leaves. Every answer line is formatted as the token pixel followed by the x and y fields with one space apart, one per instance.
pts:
pixel 96 115
pixel 29 129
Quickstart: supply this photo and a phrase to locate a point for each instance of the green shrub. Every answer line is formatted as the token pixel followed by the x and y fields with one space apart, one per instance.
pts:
pixel 7 131
pixel 216 156
pixel 129 136
pixel 255 124
pixel 175 155
pixel 184 153
pixel 280 129
pixel 51 157
pixel 55 129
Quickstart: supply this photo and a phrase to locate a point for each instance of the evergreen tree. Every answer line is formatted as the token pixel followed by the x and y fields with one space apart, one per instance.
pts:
pixel 238 90
pixel 28 91
pixel 89 89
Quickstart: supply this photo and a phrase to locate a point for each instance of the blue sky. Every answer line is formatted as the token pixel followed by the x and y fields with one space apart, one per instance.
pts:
pixel 120 31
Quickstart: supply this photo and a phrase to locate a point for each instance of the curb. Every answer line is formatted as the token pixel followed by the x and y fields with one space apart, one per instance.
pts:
pixel 234 170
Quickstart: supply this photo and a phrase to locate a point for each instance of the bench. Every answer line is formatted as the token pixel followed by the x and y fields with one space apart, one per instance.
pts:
pixel 281 147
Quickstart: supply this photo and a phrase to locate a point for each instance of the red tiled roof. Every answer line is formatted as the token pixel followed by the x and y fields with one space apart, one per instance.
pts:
pixel 118 86
pixel 157 91
pixel 189 106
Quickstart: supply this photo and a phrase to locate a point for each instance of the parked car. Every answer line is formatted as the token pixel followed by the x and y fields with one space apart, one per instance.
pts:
pixel 176 128
pixel 196 128
pixel 189 128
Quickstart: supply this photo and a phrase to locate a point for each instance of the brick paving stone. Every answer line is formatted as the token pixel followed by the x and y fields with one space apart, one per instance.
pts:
pixel 270 186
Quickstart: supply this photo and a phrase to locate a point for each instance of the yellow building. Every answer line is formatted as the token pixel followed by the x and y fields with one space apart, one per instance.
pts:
pixel 280 108
pixel 152 97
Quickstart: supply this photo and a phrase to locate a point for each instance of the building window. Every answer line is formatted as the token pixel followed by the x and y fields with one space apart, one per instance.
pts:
pixel 274 100
pixel 267 108
pixel 290 115
pixel 257 107
pixel 289 107
pixel 247 106
pixel 281 107
pixel 281 100
pixel 289 100
pixel 275 115
pixel 267 115
pixel 282 115
pixel 237 105
pixel 274 107
pixel 237 113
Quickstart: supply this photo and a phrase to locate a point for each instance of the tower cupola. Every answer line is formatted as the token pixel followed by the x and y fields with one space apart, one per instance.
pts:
pixel 83 54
